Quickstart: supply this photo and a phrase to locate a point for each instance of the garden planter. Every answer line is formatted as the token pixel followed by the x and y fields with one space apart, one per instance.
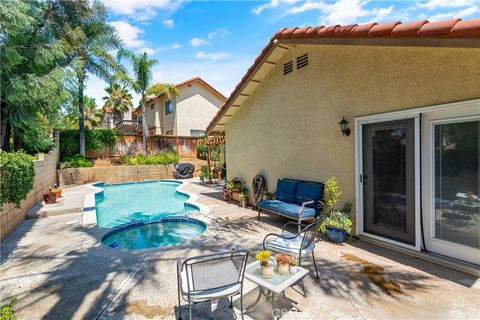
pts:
pixel 57 192
pixel 244 203
pixel 266 272
pixel 336 235
pixel 283 269
pixel 49 198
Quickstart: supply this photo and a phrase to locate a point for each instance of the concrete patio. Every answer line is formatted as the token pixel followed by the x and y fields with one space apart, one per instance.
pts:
pixel 59 270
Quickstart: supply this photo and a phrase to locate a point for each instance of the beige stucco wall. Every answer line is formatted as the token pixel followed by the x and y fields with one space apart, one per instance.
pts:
pixel 193 109
pixel 196 107
pixel 288 126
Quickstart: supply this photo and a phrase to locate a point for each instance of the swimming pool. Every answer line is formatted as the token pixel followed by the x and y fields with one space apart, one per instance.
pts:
pixel 153 234
pixel 123 203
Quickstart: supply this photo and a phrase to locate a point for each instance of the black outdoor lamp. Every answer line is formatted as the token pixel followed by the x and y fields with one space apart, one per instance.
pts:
pixel 344 127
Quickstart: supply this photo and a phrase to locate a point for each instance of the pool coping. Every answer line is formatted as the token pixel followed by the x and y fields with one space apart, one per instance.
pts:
pixel 89 216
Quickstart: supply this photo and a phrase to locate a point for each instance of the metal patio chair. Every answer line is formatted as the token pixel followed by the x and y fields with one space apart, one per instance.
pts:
pixel 211 277
pixel 301 243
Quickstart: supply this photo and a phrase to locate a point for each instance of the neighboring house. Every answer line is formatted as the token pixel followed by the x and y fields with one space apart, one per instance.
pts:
pixel 411 94
pixel 185 115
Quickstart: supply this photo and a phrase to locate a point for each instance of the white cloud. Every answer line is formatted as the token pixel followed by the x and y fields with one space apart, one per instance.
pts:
pixel 454 14
pixel 129 34
pixel 176 46
pixel 141 9
pixel 147 50
pixel 436 4
pixel 344 12
pixel 220 33
pixel 272 5
pixel 168 23
pixel 197 42
pixel 211 56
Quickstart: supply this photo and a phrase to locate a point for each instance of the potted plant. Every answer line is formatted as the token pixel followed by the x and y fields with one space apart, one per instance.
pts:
pixel 56 190
pixel 266 265
pixel 283 263
pixel 268 195
pixel 243 199
pixel 49 198
pixel 203 172
pixel 235 186
pixel 337 225
pixel 216 172
pixel 293 264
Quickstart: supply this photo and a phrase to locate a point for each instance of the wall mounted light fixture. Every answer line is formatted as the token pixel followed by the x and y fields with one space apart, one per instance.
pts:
pixel 344 127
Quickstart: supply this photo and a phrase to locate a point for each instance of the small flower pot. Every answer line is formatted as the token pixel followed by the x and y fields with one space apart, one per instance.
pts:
pixel 244 203
pixel 293 269
pixel 57 192
pixel 283 269
pixel 266 271
pixel 49 198
pixel 336 235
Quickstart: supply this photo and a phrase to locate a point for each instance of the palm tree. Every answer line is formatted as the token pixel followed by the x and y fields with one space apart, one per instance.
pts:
pixel 93 116
pixel 118 99
pixel 142 84
pixel 93 56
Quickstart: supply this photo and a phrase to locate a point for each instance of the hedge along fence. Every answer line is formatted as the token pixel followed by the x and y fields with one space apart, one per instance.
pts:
pixel 95 140
pixel 17 173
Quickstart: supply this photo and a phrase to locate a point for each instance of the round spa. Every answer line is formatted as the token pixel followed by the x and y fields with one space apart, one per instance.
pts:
pixel 154 234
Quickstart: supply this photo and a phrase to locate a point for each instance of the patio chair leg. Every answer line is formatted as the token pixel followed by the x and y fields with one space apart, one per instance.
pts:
pixel 231 303
pixel 259 214
pixel 314 263
pixel 189 310
pixel 241 305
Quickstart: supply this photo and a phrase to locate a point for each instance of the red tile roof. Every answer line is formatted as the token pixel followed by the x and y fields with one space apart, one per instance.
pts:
pixel 454 28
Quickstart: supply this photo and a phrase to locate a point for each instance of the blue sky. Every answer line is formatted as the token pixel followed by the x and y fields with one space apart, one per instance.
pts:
pixel 218 40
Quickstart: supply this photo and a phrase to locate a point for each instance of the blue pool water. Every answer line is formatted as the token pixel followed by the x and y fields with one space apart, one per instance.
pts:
pixel 142 201
pixel 144 235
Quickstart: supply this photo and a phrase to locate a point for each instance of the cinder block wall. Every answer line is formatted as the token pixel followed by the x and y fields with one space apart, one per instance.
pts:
pixel 45 177
pixel 115 174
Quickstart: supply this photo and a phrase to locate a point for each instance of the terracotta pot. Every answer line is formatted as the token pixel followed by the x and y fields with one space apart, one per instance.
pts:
pixel 57 192
pixel 266 272
pixel 283 269
pixel 49 198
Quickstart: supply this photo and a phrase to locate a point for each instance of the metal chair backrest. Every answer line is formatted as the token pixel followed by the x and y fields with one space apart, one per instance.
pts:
pixel 214 271
pixel 310 232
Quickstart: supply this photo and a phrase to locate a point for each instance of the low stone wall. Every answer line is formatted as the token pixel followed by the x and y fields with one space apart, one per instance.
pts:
pixel 115 174
pixel 45 177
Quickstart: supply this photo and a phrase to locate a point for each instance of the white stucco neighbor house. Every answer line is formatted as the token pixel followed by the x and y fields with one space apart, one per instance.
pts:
pixel 186 115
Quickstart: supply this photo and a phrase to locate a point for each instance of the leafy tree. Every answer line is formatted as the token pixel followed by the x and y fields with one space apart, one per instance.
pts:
pixel 142 84
pixel 91 49
pixel 93 116
pixel 34 74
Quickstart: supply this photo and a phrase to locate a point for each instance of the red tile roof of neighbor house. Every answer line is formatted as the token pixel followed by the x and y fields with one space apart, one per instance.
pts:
pixel 184 83
pixel 454 28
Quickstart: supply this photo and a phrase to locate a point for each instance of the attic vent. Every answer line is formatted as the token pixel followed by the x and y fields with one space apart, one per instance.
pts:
pixel 302 61
pixel 287 67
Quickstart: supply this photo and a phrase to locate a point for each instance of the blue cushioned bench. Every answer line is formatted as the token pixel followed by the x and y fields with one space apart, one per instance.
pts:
pixel 295 199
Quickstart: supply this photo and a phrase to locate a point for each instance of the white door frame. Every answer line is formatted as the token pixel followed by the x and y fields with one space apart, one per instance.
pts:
pixel 379 118
pixel 419 198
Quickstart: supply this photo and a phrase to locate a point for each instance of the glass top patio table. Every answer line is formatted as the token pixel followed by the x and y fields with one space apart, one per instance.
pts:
pixel 278 283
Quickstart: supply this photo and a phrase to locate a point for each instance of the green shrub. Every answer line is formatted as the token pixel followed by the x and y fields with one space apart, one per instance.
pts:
pixel 77 161
pixel 17 173
pixel 94 140
pixel 202 152
pixel 6 311
pixel 165 157
pixel 332 194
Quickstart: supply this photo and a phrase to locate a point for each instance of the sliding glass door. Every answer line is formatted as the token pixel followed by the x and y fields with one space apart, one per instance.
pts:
pixel 453 217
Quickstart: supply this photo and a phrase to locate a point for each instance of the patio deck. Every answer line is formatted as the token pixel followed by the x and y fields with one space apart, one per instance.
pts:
pixel 59 270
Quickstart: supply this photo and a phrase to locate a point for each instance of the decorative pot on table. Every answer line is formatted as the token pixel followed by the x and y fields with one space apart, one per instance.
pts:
pixel 57 192
pixel 266 271
pixel 336 235
pixel 283 268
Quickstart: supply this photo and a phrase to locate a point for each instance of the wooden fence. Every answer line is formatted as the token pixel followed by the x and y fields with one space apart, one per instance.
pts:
pixel 186 147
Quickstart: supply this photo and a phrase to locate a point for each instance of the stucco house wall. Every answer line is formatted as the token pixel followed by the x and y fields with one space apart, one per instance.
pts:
pixel 289 126
pixel 195 108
